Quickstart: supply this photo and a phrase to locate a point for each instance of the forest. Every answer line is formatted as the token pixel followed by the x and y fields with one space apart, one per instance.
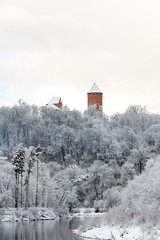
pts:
pixel 65 159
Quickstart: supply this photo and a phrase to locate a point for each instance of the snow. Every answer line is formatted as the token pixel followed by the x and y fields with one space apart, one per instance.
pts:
pixel 87 212
pixel 110 232
pixel 52 106
pixel 117 233
pixel 12 214
pixel 95 89
pixel 113 232
pixel 54 100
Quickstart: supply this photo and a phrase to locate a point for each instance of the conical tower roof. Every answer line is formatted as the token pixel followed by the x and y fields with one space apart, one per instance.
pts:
pixel 95 89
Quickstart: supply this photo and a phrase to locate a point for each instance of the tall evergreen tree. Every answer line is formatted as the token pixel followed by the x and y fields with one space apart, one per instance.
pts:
pixel 38 155
pixel 18 162
pixel 31 161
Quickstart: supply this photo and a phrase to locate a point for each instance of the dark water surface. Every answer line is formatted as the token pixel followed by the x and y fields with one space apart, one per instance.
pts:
pixel 40 230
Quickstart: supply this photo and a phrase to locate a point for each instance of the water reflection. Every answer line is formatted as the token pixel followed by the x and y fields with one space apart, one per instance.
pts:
pixel 42 230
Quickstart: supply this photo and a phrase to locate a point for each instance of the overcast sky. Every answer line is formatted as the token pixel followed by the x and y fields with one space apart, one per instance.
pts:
pixel 61 47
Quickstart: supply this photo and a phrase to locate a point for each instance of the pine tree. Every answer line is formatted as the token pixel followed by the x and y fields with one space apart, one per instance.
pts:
pixel 31 161
pixel 38 155
pixel 18 162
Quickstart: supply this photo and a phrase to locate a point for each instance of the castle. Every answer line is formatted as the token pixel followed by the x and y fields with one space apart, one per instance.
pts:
pixel 95 97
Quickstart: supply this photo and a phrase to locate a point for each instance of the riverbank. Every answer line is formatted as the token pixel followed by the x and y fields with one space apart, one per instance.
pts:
pixel 96 228
pixel 117 233
pixel 87 212
pixel 30 214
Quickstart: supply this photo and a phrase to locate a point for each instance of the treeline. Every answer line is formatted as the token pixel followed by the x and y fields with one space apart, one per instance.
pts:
pixel 68 137
pixel 138 202
pixel 65 159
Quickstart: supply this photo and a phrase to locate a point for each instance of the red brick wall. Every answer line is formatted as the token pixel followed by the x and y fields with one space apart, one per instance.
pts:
pixel 59 105
pixel 95 98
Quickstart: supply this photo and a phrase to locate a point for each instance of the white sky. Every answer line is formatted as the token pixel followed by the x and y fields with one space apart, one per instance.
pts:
pixel 61 47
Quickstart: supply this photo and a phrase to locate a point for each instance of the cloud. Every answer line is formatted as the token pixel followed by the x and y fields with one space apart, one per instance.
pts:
pixel 61 47
pixel 11 94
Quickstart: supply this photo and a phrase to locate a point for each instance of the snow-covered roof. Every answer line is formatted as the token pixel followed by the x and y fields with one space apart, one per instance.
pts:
pixel 95 89
pixel 54 100
pixel 52 106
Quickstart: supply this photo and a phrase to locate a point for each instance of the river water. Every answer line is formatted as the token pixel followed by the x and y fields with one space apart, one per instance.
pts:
pixel 40 230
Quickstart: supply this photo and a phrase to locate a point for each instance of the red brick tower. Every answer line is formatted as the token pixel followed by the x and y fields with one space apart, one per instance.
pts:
pixel 95 97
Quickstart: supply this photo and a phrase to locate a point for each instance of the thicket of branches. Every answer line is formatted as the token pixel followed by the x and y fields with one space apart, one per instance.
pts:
pixel 68 136
pixel 83 159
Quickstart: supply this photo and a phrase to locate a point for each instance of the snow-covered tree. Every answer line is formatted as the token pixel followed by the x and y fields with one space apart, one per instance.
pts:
pixel 30 163
pixel 18 162
pixel 38 158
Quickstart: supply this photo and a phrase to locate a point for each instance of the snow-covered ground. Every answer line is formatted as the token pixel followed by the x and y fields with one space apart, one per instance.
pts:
pixel 118 233
pixel 108 232
pixel 86 212
pixel 12 214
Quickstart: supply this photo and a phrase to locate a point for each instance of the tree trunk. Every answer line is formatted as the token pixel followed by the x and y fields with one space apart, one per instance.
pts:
pixel 37 190
pixel 43 197
pixel 21 190
pixel 17 190
pixel 27 191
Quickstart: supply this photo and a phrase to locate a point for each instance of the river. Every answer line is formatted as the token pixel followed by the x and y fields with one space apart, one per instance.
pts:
pixel 40 230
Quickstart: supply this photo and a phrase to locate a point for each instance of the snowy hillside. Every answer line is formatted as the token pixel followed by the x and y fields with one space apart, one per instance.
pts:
pixel 66 160
pixel 137 216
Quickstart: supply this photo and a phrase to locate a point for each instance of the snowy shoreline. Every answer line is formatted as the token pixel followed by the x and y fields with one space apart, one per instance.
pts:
pixel 114 232
pixel 104 232
pixel 118 233
pixel 111 232
pixel 30 214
